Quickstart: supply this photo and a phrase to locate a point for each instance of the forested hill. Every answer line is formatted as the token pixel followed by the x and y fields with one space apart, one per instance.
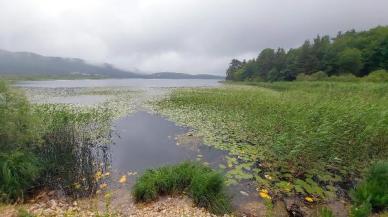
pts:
pixel 26 65
pixel 31 64
pixel 358 53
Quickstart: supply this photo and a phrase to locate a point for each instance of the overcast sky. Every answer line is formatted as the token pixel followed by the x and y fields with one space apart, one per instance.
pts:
pixel 190 36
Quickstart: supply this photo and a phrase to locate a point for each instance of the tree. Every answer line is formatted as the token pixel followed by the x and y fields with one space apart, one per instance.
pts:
pixel 234 65
pixel 350 60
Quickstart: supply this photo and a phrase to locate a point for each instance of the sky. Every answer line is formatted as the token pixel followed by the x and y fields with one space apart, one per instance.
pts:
pixel 188 36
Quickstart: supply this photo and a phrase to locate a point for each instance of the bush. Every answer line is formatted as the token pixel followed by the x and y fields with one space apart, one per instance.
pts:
pixel 344 78
pixel 70 143
pixel 205 186
pixel 372 192
pixel 317 76
pixel 377 76
pixel 17 123
pixel 18 171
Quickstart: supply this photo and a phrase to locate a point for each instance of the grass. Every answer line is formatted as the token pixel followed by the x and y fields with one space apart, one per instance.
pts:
pixel 54 146
pixel 19 170
pixel 304 138
pixel 203 185
pixel 371 194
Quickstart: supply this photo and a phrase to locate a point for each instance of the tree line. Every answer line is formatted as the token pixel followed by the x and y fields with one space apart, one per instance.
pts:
pixel 357 53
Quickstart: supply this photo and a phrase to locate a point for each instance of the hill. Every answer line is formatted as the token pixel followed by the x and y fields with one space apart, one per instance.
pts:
pixel 31 66
pixel 175 75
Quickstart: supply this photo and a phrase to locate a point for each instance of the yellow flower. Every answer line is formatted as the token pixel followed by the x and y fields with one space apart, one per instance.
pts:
pixel 268 177
pixel 103 185
pixel 77 185
pixel 264 194
pixel 123 179
pixel 309 199
pixel 98 175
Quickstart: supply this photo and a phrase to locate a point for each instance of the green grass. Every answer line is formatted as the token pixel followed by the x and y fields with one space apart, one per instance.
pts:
pixel 203 185
pixel 54 146
pixel 18 171
pixel 306 138
pixel 371 194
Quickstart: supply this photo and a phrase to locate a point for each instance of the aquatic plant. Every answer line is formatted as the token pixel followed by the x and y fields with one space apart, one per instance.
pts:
pixel 306 138
pixel 204 185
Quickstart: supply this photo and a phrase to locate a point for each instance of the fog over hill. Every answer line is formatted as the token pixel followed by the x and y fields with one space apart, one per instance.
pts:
pixel 31 64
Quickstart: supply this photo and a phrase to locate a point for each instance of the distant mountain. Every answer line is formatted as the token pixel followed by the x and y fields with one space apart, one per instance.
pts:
pixel 175 75
pixel 30 65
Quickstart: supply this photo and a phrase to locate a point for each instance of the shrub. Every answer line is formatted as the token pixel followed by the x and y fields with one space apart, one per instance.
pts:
pixel 17 123
pixel 18 171
pixel 317 76
pixel 372 192
pixel 377 76
pixel 205 186
pixel 344 78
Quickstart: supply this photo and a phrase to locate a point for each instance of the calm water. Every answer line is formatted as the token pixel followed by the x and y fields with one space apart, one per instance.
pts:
pixel 143 140
pixel 135 83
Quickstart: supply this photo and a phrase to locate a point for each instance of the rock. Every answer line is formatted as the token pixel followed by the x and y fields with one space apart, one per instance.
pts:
pixel 253 209
pixel 293 206
pixel 53 204
pixel 244 193
pixel 279 209
pixel 51 193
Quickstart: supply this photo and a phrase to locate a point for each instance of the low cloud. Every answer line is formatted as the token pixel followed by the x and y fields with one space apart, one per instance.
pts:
pixel 189 36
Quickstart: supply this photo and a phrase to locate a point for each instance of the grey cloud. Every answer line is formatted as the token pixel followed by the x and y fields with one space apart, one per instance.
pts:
pixel 189 36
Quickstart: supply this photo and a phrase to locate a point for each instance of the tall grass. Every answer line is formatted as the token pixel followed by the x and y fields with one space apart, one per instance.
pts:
pixel 50 145
pixel 18 171
pixel 75 147
pixel 371 194
pixel 322 132
pixel 205 186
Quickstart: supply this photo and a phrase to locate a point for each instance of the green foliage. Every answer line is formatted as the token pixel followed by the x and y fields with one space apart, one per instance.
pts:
pixel 377 76
pixel 17 123
pixel 24 213
pixel 205 186
pixel 363 210
pixel 74 141
pixel 358 53
pixel 326 212
pixel 317 76
pixel 350 60
pixel 372 192
pixel 324 133
pixel 18 172
pixel 49 145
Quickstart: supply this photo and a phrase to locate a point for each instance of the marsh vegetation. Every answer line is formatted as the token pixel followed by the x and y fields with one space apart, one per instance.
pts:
pixel 311 140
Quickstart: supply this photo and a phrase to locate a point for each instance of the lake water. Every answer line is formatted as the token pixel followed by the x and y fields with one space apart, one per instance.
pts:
pixel 135 83
pixel 143 140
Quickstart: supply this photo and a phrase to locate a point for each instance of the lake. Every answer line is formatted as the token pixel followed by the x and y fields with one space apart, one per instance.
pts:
pixel 135 83
pixel 141 139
